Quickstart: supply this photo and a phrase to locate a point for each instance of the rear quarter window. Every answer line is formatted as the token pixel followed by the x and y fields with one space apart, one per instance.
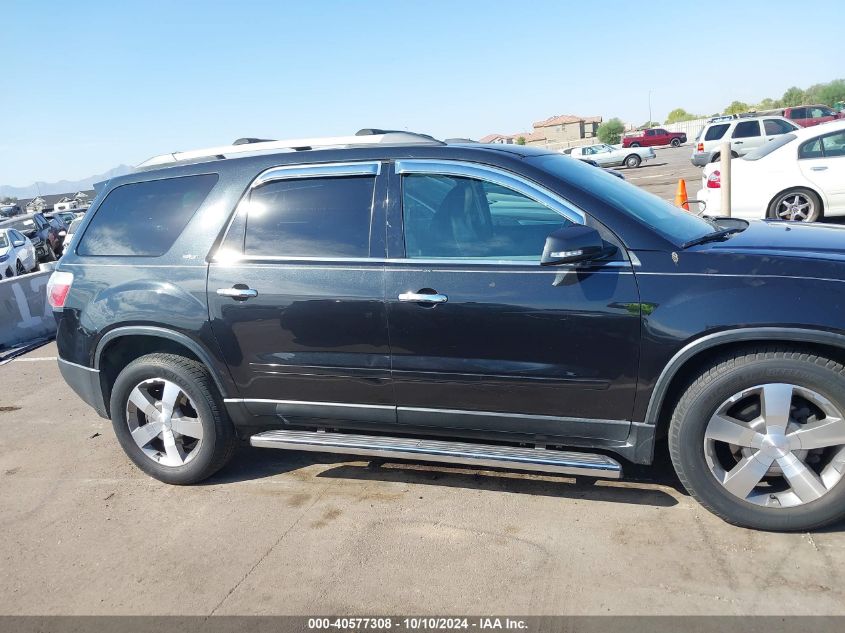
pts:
pixel 715 132
pixel 144 219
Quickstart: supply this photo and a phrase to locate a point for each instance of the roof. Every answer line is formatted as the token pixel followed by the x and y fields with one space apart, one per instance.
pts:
pixel 563 119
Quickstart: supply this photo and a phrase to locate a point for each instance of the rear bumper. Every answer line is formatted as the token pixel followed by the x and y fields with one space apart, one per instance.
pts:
pixel 700 159
pixel 86 383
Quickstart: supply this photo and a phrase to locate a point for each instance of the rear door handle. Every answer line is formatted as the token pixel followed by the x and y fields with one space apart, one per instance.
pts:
pixel 239 294
pixel 416 297
pixel 819 168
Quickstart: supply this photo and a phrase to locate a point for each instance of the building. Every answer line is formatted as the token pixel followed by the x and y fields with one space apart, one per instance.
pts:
pixel 563 129
pixel 58 202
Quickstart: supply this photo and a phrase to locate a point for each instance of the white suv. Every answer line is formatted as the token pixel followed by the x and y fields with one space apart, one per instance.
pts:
pixel 745 134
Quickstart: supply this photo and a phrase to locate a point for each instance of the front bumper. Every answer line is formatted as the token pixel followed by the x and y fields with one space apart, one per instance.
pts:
pixel 85 381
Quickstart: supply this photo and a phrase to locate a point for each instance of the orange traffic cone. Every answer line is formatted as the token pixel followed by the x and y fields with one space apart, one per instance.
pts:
pixel 681 195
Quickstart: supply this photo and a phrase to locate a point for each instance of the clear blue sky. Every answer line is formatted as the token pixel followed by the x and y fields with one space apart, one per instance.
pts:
pixel 89 85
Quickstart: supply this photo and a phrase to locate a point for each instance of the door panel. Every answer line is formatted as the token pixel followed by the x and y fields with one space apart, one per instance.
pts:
pixel 514 347
pixel 313 337
pixel 823 163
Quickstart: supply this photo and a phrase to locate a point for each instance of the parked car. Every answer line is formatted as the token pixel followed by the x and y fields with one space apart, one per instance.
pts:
pixel 809 115
pixel 609 156
pixel 745 134
pixel 653 138
pixel 66 216
pixel 10 211
pixel 17 254
pixel 614 172
pixel 393 296
pixel 41 233
pixel 71 231
pixel 799 176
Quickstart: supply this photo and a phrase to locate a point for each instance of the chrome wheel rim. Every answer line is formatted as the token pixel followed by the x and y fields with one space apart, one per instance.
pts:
pixel 164 422
pixel 776 445
pixel 796 207
pixel 632 162
pixel 20 269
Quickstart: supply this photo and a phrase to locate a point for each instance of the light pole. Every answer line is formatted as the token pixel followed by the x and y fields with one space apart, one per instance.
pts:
pixel 649 108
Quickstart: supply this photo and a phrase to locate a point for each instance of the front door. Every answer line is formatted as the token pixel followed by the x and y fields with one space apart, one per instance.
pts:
pixel 296 295
pixel 482 337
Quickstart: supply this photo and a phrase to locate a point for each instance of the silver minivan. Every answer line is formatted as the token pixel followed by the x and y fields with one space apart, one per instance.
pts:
pixel 744 133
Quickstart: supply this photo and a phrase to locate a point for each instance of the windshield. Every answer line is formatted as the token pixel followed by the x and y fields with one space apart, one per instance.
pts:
pixel 23 225
pixel 4 242
pixel 676 225
pixel 6 211
pixel 74 225
pixel 769 147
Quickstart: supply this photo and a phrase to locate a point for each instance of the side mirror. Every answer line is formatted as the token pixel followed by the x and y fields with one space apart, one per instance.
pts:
pixel 572 244
pixel 18 243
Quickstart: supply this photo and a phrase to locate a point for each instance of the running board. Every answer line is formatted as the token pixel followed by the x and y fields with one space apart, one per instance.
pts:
pixel 478 455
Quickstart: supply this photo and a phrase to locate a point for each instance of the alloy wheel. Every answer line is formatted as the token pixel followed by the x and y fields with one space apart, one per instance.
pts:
pixel 776 445
pixel 797 207
pixel 163 422
pixel 20 269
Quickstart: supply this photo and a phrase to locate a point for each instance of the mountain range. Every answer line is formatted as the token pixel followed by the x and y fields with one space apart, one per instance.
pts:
pixel 62 186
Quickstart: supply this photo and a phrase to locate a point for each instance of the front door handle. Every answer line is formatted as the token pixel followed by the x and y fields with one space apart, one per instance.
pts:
pixel 418 297
pixel 239 294
pixel 819 168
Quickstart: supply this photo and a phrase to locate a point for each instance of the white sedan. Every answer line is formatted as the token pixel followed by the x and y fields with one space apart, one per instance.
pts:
pixel 17 254
pixel 608 156
pixel 798 176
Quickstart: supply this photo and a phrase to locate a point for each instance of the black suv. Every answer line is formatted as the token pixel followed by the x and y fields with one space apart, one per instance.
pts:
pixel 396 296
pixel 43 235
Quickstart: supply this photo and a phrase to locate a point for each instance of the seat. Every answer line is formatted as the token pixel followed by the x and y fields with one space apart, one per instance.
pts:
pixel 462 225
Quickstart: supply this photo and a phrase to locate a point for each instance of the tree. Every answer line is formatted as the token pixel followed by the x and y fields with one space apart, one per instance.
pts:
pixel 679 114
pixel 610 131
pixel 520 140
pixel 736 108
pixel 768 104
pixel 648 124
pixel 830 93
pixel 792 97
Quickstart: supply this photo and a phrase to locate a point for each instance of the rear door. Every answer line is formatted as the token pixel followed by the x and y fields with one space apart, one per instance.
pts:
pixel 296 294
pixel 822 161
pixel 799 115
pixel 482 337
pixel 746 136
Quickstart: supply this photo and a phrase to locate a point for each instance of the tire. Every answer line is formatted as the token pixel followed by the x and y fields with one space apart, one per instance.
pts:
pixel 50 254
pixel 20 269
pixel 633 161
pixel 774 503
pixel 201 409
pixel 716 158
pixel 676 142
pixel 634 145
pixel 789 205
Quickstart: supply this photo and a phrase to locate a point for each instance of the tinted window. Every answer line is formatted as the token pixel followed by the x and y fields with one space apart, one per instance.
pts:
pixel 798 113
pixel 715 132
pixel 675 224
pixel 311 217
pixel 777 126
pixel 834 144
pixel 746 129
pixel 454 217
pixel 811 149
pixel 144 219
pixel 817 113
pixel 3 241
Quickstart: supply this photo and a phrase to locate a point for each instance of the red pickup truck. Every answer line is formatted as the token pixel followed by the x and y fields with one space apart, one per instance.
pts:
pixel 809 115
pixel 653 137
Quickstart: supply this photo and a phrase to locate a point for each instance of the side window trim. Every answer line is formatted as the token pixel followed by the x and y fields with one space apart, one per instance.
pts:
pixel 497 176
pixel 317 170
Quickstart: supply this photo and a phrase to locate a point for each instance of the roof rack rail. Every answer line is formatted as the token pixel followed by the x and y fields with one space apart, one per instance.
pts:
pixel 250 146
pixel 248 139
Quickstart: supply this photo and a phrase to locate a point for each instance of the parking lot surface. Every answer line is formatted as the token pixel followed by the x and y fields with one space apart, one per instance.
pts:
pixel 660 176
pixel 277 532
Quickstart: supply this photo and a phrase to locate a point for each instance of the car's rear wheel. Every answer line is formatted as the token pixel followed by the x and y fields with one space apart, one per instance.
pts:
pixel 170 420
pixel 676 142
pixel 797 205
pixel 634 145
pixel 633 161
pixel 759 439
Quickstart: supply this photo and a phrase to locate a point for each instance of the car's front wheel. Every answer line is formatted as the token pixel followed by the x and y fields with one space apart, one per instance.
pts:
pixel 170 420
pixel 759 439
